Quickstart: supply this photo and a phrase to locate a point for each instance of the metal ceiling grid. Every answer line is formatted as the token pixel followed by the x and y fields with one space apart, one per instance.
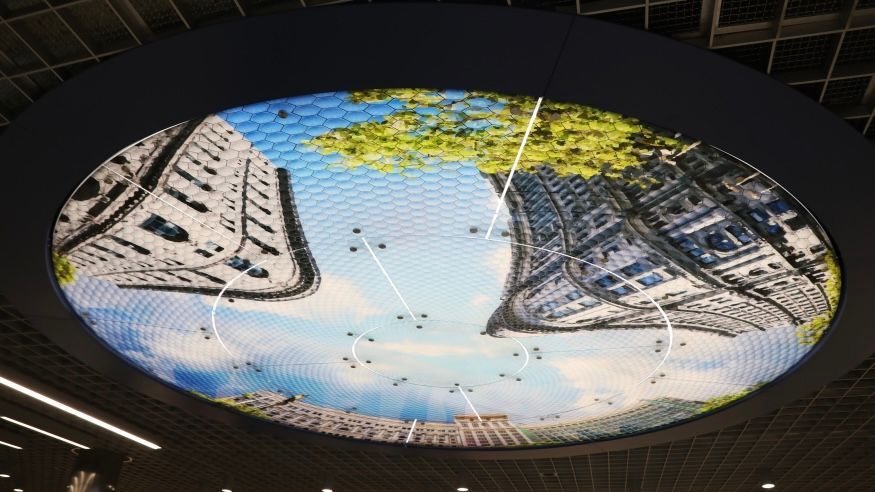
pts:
pixel 801 42
pixel 820 442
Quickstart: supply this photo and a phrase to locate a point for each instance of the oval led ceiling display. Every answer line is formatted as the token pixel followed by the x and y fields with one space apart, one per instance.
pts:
pixel 446 268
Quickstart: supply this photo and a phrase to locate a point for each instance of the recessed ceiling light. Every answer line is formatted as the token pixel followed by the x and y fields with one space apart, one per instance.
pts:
pixel 768 485
pixel 327 490
pixel 226 490
pixel 72 411
pixel 462 489
pixel 45 433
pixel 4 475
pixel 9 445
pixel 17 490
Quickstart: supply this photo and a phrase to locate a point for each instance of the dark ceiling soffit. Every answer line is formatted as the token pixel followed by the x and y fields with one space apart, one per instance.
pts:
pixel 62 137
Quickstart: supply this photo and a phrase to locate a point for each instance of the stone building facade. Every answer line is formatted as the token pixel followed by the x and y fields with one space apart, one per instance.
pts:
pixel 192 209
pixel 719 247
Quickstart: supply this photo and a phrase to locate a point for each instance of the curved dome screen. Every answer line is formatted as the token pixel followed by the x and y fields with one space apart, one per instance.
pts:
pixel 446 268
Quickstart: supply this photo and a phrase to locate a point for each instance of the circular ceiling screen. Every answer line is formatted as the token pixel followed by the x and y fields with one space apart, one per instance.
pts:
pixel 445 268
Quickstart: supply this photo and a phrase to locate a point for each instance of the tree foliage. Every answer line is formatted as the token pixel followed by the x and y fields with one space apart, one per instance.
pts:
pixel 65 271
pixel 430 127
pixel 723 400
pixel 811 332
pixel 230 403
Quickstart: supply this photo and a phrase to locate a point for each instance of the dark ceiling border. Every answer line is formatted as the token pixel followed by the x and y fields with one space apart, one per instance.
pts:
pixel 49 149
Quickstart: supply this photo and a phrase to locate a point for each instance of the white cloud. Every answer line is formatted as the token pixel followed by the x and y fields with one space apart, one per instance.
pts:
pixel 337 299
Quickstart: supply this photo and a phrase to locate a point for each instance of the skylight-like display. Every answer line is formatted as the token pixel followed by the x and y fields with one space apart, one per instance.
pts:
pixel 446 268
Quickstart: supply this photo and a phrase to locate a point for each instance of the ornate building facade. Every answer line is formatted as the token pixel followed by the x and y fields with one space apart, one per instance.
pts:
pixel 193 209
pixel 721 248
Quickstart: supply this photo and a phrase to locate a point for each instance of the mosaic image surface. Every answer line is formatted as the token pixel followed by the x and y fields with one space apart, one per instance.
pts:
pixel 446 268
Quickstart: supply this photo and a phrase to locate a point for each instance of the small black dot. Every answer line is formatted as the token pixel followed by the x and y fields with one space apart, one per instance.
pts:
pixel 257 370
pixel 367 362
pixel 472 230
pixel 452 391
pixel 470 390
pixel 455 384
pixel 538 357
pixel 516 354
pixel 349 333
pixel 282 113
pixel 505 234
pixel 353 249
pixel 519 379
pixel 236 367
pixel 203 329
pixel 683 344
pixel 230 300
pixel 207 337
pixel 381 246
pixel 536 349
pixel 394 384
pixel 346 358
pixel 352 366
pixel 423 315
pixel 370 339
pixel 356 230
pixel 658 350
pixel 249 363
pixel 400 317
pixel 403 379
pixel 482 332
pixel 501 375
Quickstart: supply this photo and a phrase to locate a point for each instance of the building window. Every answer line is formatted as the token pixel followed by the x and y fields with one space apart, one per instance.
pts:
pixel 168 230
pixel 245 265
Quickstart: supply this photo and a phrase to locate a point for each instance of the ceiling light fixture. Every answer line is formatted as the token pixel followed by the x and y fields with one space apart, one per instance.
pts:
pixel 17 490
pixel 9 445
pixel 5 475
pixel 72 411
pixel 462 489
pixel 327 490
pixel 768 485
pixel 45 433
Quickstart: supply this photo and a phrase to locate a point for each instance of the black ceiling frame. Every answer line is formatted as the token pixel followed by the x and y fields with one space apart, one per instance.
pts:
pixel 50 148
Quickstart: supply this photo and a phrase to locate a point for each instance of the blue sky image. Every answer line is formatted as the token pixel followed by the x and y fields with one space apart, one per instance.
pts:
pixel 443 270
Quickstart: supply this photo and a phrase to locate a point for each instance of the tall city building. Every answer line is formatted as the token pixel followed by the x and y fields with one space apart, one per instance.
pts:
pixel 720 248
pixel 192 209
pixel 489 430
pixel 647 414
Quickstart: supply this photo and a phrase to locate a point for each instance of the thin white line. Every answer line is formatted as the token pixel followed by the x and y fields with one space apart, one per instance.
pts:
pixel 76 413
pixel 410 434
pixel 462 390
pixel 13 446
pixel 219 298
pixel 516 161
pixel 386 274
pixel 45 433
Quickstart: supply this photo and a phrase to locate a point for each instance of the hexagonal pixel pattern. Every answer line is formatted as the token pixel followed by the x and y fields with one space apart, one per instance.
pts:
pixel 405 266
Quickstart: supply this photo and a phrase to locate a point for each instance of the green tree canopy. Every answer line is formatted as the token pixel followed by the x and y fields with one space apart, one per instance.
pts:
pixel 429 127
pixel 65 271
pixel 230 403
pixel 723 400
pixel 811 332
